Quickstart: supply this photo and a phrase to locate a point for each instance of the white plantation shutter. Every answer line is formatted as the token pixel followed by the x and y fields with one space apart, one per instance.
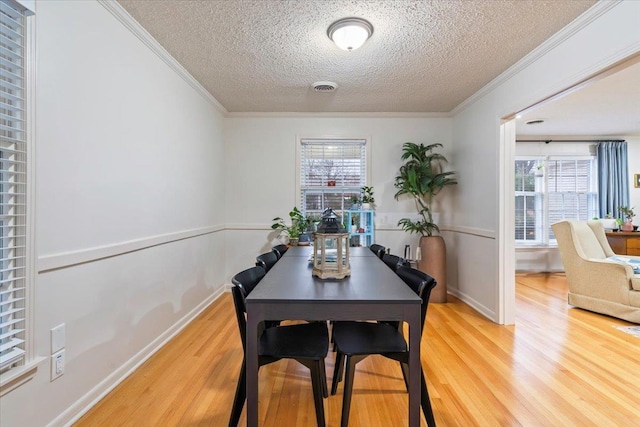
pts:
pixel 12 185
pixel 331 172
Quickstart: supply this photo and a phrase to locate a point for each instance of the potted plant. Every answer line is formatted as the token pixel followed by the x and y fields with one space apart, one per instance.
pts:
pixel 368 201
pixel 355 202
pixel 299 225
pixel 627 214
pixel 421 177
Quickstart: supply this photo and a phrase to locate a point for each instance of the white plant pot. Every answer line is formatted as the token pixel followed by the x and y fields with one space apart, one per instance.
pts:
pixel 366 206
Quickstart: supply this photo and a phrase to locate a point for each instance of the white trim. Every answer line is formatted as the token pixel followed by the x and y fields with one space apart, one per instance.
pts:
pixel 485 311
pixel 30 271
pixel 19 375
pixel 137 30
pixel 91 398
pixel 242 227
pixel 478 232
pixel 68 259
pixel 506 296
pixel 561 36
pixel 351 115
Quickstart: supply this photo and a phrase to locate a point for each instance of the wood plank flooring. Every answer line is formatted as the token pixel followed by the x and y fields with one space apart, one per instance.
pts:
pixel 558 366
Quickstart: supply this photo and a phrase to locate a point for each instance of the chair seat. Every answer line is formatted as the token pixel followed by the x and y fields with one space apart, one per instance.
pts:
pixel 358 338
pixel 303 341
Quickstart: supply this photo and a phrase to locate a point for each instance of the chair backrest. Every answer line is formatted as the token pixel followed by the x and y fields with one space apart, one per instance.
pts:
pixel 422 284
pixel 280 250
pixel 266 260
pixel 377 249
pixel 247 279
pixel 244 282
pixel 579 238
pixel 394 261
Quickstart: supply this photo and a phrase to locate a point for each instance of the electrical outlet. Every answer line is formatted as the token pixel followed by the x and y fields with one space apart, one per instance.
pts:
pixel 57 364
pixel 58 336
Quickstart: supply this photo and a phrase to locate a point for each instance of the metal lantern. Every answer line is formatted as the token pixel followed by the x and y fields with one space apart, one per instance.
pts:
pixel 330 248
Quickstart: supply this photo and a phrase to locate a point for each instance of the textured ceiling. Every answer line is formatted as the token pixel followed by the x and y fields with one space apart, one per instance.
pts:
pixel 423 56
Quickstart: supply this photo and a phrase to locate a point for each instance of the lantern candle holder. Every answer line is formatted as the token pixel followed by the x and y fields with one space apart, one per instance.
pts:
pixel 330 248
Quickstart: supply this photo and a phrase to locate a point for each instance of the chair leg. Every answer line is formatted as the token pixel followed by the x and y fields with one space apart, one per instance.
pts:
pixel 426 402
pixel 337 372
pixel 323 379
pixel 405 374
pixel 348 388
pixel 241 396
pixel 318 391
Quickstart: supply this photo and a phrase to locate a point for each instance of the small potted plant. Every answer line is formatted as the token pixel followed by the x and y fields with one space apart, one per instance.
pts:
pixel 368 201
pixel 355 202
pixel 627 214
pixel 299 225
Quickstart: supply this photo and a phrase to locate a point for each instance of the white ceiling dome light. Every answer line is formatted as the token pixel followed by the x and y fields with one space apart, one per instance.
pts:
pixel 350 33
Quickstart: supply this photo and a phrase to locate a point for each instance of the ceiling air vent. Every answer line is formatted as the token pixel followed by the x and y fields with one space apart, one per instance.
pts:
pixel 535 122
pixel 324 86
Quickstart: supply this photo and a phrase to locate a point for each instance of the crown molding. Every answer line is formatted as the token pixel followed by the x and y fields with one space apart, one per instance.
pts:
pixel 590 15
pixel 143 35
pixel 340 115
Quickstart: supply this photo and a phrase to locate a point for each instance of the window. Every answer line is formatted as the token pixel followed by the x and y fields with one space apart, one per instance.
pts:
pixel 550 189
pixel 13 173
pixel 332 171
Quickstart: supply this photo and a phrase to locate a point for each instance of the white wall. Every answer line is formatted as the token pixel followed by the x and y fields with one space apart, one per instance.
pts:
pixel 261 170
pixel 600 42
pixel 129 207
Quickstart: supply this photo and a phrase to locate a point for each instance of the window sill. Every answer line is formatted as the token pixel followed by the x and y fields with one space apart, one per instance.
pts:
pixel 18 376
pixel 532 248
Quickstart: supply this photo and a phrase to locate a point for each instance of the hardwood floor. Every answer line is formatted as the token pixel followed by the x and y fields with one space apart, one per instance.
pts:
pixel 558 366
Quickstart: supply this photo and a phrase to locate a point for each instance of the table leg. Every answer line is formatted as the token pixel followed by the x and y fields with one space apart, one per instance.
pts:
pixel 252 366
pixel 414 366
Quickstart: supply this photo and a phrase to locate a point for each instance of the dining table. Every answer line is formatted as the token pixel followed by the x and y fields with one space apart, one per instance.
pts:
pixel 372 292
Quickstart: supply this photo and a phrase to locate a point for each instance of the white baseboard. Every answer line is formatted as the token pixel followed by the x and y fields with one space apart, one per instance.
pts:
pixel 86 402
pixel 486 312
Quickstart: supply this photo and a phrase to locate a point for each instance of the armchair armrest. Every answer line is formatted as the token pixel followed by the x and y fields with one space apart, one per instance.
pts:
pixel 600 278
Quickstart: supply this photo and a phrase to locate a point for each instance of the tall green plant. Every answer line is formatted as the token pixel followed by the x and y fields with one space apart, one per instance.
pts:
pixel 421 177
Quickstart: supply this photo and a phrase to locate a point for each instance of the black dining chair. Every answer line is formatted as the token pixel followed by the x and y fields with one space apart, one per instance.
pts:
pixel 394 261
pixel 266 260
pixel 280 250
pixel 358 340
pixel 307 343
pixel 377 249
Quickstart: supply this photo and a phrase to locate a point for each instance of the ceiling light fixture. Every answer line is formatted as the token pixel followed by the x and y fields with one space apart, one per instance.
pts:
pixel 350 33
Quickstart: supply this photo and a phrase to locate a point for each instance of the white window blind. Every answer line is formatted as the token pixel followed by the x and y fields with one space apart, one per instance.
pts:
pixel 331 172
pixel 550 189
pixel 12 185
pixel 572 191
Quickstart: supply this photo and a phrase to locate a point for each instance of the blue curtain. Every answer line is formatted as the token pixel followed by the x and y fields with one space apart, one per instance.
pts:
pixel 613 177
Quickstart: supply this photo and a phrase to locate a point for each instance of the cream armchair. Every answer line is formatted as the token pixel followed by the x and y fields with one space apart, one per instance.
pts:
pixel 599 280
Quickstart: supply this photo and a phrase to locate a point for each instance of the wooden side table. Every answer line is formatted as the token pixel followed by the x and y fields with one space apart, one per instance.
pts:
pixel 624 242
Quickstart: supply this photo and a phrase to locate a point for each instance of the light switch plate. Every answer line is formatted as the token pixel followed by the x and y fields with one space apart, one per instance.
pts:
pixel 58 336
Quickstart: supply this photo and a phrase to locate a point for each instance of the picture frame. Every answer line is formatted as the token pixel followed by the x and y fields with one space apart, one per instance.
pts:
pixel 636 180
